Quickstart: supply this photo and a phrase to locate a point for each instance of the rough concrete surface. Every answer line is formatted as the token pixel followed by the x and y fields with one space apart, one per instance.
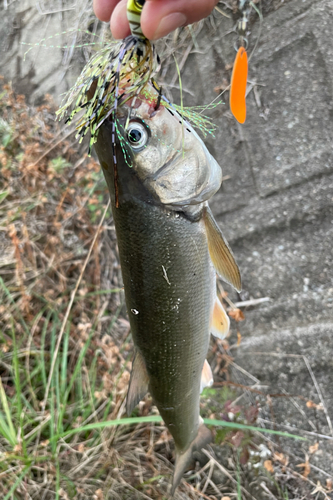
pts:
pixel 43 27
pixel 276 206
pixel 276 209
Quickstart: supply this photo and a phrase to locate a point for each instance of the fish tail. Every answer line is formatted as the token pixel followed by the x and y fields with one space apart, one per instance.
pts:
pixel 183 459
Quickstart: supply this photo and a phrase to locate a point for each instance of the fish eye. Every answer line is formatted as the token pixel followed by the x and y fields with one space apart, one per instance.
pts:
pixel 137 135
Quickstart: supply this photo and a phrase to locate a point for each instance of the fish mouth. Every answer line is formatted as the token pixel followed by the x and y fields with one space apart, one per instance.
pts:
pixel 151 101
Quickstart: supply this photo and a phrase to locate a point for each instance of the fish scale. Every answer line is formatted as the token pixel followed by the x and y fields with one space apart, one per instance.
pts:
pixel 167 330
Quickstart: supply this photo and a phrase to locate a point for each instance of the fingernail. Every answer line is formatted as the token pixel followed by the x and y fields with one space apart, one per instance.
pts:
pixel 169 23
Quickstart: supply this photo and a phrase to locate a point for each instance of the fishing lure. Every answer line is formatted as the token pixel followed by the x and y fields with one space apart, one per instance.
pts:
pixel 240 70
pixel 134 9
pixel 238 86
pixel 116 74
pixel 113 76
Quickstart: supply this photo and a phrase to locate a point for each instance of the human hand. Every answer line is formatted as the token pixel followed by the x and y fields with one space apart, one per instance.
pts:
pixel 158 18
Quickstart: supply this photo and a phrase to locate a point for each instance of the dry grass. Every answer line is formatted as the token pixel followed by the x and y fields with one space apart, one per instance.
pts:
pixel 65 347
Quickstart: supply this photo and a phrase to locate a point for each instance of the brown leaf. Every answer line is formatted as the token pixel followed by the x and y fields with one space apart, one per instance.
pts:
pixel 236 314
pixel 244 456
pixel 164 437
pixel 281 458
pixel 237 438
pixel 269 466
pixel 239 338
pixel 63 494
pixel 98 495
pixel 251 414
pixel 311 404
pixel 306 466
pixel 314 448
pixel 18 448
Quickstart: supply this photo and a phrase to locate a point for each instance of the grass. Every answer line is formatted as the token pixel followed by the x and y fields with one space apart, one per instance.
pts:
pixel 36 441
pixel 43 441
pixel 29 430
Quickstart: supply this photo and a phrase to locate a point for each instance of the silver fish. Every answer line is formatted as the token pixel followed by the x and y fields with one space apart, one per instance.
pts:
pixel 169 248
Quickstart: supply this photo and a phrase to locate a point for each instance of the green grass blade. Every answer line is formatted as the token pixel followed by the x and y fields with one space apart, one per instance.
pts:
pixel 30 373
pixel 239 488
pixel 158 419
pixel 17 482
pixel 98 292
pixel 63 376
pixel 10 299
pixel 12 435
pixel 75 374
pixel 52 393
pixel 18 387
pixel 232 425
pixel 42 348
pixel 3 195
pixel 56 375
pixel 5 430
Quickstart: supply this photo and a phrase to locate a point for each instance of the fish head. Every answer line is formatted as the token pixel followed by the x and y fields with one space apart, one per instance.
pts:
pixel 166 153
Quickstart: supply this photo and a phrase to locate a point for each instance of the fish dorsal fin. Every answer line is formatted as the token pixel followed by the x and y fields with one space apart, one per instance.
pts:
pixel 219 325
pixel 207 379
pixel 138 386
pixel 183 460
pixel 220 252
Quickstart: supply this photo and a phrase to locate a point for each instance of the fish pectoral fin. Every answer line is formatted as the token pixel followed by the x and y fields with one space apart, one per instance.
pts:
pixel 220 323
pixel 220 252
pixel 207 379
pixel 183 459
pixel 138 385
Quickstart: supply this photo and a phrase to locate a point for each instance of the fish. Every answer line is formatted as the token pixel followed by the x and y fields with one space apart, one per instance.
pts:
pixel 170 248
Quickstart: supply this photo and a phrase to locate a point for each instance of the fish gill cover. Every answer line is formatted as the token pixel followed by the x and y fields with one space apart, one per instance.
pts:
pixel 116 74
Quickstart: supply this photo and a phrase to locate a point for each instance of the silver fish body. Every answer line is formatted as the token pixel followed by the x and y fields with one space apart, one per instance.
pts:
pixel 169 278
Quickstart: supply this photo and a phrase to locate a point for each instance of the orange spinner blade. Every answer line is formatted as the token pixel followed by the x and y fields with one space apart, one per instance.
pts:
pixel 238 86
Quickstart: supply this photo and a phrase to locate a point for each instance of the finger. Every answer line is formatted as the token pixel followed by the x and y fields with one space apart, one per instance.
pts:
pixel 161 17
pixel 119 23
pixel 104 8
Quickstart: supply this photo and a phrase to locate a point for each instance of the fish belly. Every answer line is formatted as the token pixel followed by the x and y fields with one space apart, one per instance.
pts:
pixel 169 290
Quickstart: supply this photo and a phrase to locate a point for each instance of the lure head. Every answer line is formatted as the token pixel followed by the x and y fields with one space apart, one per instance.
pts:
pixel 134 9
pixel 166 153
pixel 135 5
